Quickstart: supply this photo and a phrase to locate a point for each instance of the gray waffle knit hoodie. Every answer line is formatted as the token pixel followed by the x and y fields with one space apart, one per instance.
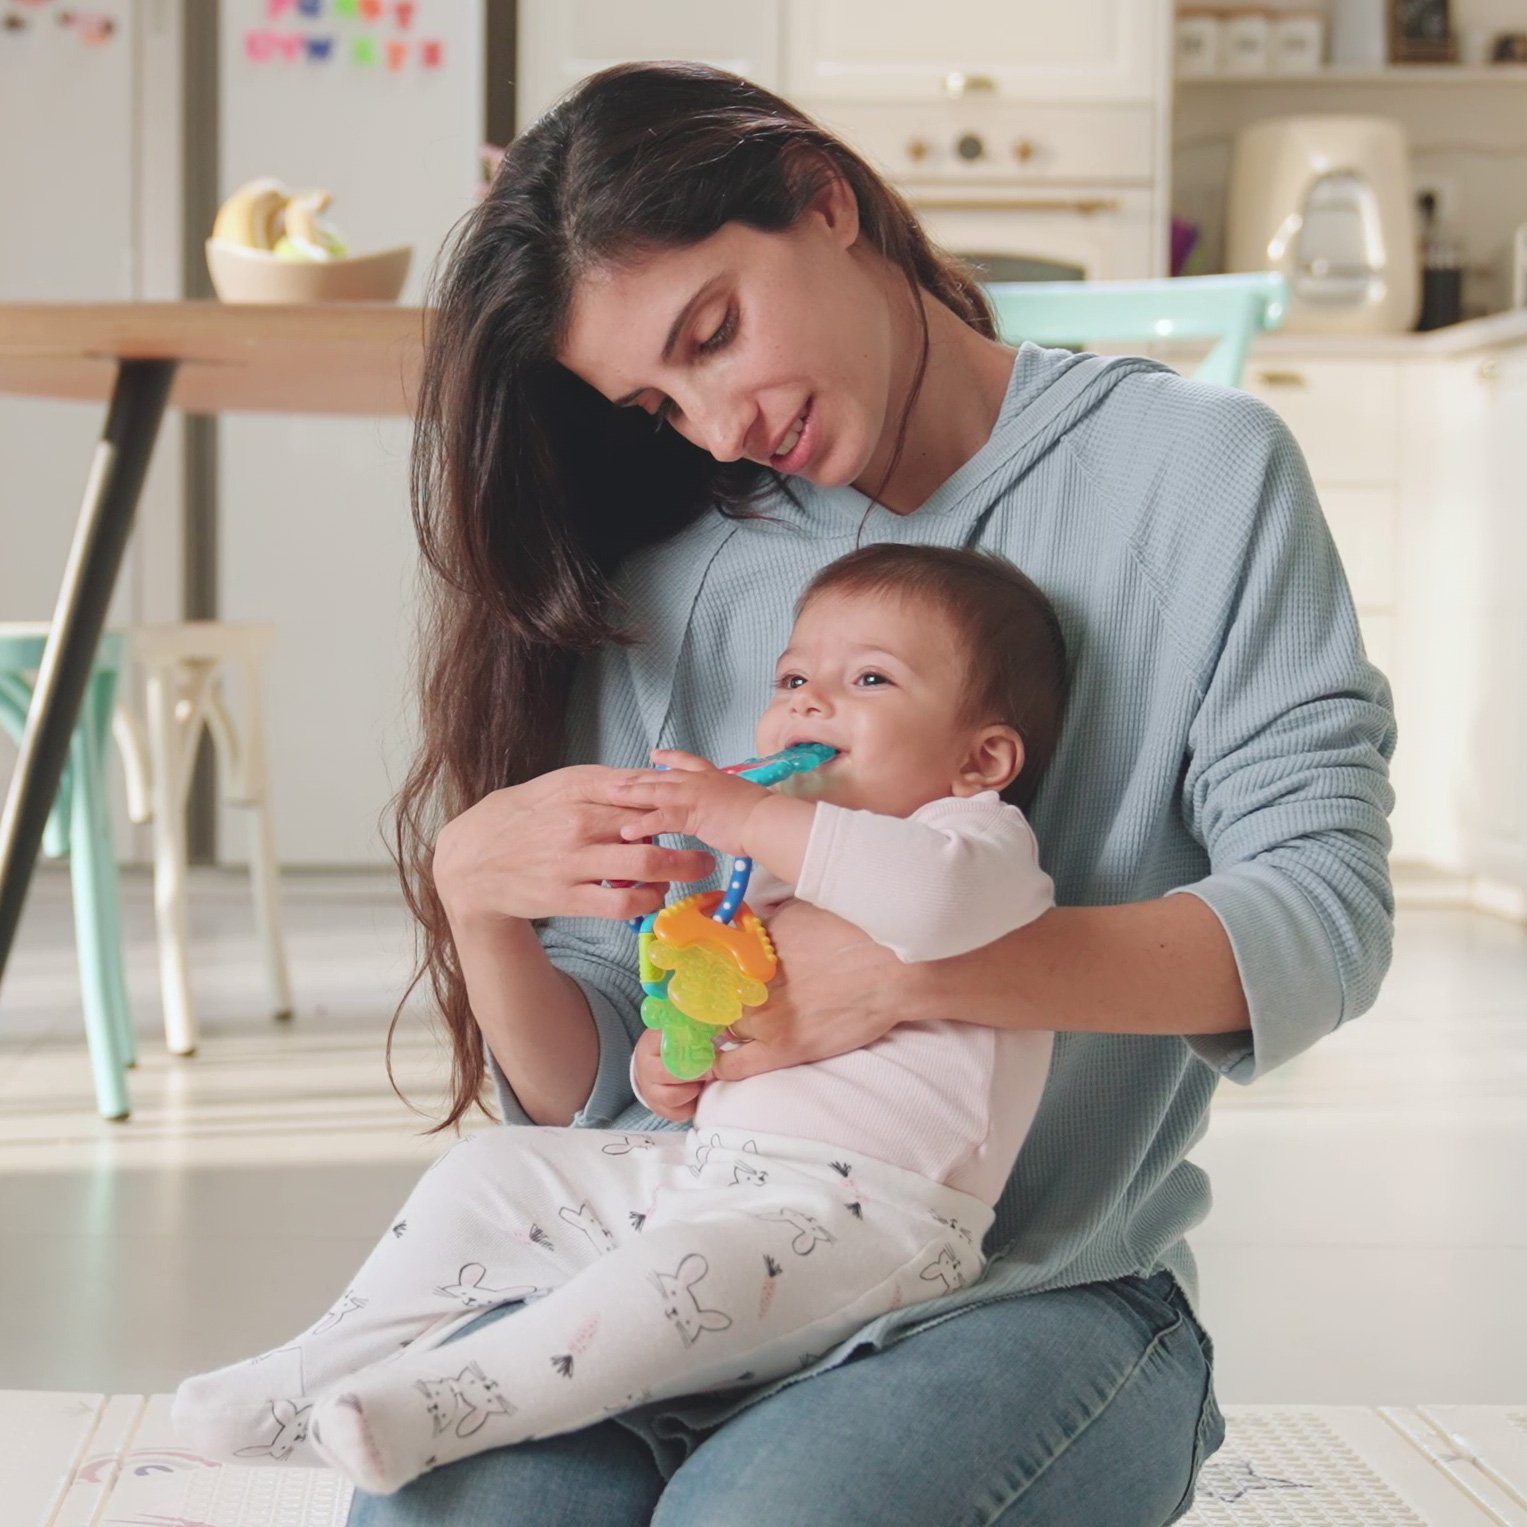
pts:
pixel 1226 737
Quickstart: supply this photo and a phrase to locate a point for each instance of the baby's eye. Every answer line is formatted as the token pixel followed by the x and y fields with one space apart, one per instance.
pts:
pixel 872 680
pixel 789 681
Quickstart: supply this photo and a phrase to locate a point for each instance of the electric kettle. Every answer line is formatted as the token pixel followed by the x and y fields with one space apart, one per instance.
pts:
pixel 1326 201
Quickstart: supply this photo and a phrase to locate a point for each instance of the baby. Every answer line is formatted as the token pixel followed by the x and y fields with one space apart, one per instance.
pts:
pixel 806 1201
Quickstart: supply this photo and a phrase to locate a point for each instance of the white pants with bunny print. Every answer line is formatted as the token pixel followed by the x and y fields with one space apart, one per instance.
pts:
pixel 652 1265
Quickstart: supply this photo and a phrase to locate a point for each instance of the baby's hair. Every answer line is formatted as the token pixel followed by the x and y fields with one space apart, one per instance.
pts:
pixel 1012 637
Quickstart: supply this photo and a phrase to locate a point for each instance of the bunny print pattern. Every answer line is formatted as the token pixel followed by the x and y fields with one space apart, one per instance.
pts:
pixel 646 1266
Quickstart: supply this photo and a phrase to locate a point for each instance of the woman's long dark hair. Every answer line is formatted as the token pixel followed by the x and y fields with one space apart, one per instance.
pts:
pixel 528 486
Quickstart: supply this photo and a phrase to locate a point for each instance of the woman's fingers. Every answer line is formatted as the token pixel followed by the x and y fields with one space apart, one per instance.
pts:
pixel 675 758
pixel 543 849
pixel 618 903
pixel 634 790
pixel 648 825
pixel 644 861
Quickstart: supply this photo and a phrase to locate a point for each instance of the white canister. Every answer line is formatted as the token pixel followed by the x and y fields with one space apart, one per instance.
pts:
pixel 1247 42
pixel 1360 34
pixel 1297 43
pixel 1199 40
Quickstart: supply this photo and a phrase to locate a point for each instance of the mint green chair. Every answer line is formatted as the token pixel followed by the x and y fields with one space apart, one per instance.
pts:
pixel 80 827
pixel 1231 309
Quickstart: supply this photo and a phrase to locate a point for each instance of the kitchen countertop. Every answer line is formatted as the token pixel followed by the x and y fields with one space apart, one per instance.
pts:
pixel 1498 331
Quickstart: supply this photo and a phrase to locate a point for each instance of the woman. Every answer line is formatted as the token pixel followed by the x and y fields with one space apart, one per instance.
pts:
pixel 689 350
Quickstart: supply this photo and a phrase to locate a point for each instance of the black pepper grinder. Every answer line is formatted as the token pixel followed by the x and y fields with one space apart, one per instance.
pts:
pixel 1441 274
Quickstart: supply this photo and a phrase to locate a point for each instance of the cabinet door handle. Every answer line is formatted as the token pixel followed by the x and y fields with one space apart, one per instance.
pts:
pixel 1088 206
pixel 1282 378
pixel 957 84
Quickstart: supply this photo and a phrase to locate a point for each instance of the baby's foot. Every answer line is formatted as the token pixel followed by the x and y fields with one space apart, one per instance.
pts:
pixel 341 1435
pixel 385 1428
pixel 212 1416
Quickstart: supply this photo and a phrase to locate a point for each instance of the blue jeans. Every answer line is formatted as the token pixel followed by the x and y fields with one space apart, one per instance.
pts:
pixel 1083 1406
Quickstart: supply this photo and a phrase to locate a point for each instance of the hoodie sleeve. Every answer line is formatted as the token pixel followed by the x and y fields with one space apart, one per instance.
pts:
pixel 1286 784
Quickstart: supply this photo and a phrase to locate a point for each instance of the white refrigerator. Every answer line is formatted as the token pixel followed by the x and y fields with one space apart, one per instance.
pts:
pixel 381 104
pixel 83 176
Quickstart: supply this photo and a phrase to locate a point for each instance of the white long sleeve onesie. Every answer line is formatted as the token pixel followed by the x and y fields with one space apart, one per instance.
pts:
pixel 649 1265
pixel 951 1101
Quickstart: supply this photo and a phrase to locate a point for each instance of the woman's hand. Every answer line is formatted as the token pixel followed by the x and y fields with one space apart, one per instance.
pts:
pixel 690 796
pixel 545 849
pixel 837 991
pixel 664 1093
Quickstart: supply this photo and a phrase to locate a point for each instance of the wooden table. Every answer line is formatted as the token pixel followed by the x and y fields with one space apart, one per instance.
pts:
pixel 139 357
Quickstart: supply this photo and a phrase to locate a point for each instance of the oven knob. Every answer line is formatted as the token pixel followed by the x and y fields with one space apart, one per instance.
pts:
pixel 1024 150
pixel 970 147
pixel 917 149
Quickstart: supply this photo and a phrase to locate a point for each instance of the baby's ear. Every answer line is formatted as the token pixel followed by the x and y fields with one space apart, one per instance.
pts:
pixel 994 761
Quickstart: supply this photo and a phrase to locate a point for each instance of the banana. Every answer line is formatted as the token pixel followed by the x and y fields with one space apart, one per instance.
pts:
pixel 308 236
pixel 264 215
pixel 252 215
pixel 302 225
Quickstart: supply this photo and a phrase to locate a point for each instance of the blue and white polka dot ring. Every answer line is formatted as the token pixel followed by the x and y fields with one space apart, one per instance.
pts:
pixel 800 759
pixel 770 770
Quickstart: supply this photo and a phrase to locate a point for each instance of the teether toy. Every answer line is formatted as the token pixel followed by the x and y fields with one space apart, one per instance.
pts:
pixel 705 958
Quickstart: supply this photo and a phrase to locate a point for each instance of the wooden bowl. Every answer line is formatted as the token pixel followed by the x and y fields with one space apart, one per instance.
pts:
pixel 255 275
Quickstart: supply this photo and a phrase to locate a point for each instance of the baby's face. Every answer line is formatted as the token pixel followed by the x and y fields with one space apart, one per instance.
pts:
pixel 883 681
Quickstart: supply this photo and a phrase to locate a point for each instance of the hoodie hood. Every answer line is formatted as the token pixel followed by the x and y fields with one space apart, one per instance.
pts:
pixel 1048 393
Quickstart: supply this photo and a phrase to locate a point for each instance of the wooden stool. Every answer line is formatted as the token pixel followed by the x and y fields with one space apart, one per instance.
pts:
pixel 183 666
pixel 80 826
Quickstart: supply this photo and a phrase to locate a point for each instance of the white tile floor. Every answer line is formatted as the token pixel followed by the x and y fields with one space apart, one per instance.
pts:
pixel 1369 1244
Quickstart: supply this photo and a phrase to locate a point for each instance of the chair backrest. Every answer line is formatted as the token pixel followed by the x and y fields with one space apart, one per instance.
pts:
pixel 1231 309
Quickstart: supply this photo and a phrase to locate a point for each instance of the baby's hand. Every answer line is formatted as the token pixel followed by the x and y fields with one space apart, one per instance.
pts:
pixel 692 797
pixel 664 1093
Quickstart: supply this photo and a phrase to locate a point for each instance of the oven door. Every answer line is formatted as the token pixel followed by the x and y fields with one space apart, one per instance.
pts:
pixel 1060 233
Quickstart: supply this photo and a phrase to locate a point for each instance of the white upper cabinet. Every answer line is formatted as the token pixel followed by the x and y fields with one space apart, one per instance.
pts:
pixel 560 42
pixel 1095 50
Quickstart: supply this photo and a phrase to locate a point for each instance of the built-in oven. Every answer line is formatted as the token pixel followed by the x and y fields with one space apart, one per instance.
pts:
pixel 1070 233
pixel 1045 192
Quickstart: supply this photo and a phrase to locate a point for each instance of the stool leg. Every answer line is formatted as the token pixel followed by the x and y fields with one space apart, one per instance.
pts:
pixel 92 873
pixel 264 873
pixel 15 702
pixel 100 702
pixel 165 755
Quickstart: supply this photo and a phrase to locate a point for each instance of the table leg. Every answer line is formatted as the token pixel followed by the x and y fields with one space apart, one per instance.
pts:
pixel 106 518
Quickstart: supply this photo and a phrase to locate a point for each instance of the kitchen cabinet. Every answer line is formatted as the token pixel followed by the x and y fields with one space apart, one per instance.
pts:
pixel 1030 138
pixel 1025 50
pixel 1497 826
pixel 860 50
pixel 1414 444
pixel 561 42
pixel 1464 633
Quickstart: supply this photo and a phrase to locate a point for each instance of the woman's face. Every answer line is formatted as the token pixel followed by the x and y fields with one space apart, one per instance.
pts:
pixel 735 340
